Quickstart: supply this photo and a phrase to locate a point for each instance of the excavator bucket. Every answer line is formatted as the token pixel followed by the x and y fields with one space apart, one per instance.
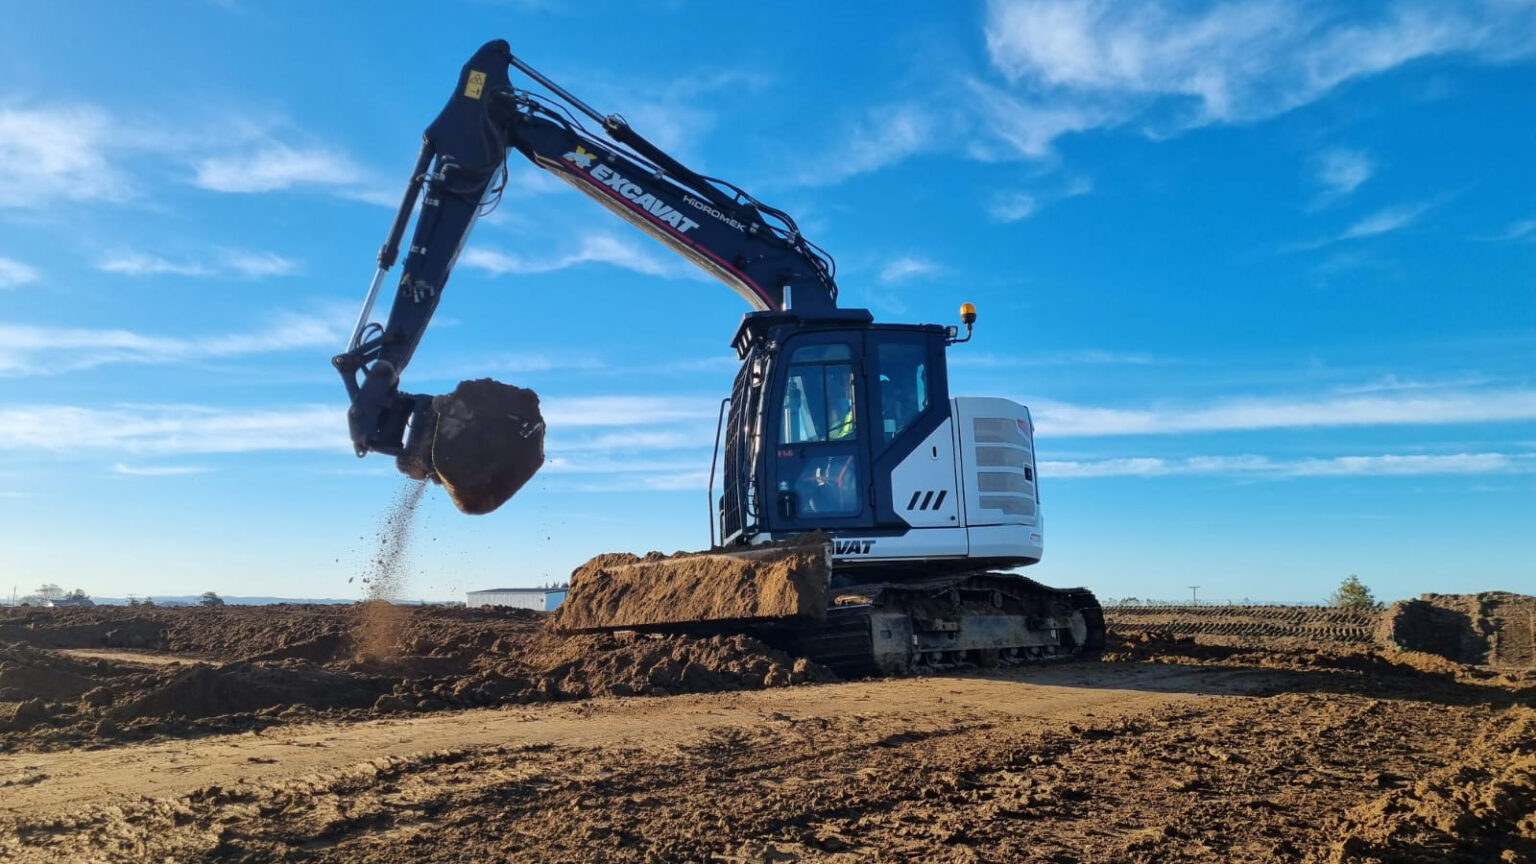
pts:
pixel 483 441
pixel 689 591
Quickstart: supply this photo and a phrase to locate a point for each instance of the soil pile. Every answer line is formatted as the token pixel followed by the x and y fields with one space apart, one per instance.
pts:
pixel 488 442
pixel 624 590
pixel 212 691
pixel 625 664
pixel 218 632
pixel 1496 628
pixel 81 628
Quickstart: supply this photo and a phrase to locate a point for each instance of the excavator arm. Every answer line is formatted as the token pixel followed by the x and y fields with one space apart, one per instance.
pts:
pixel 755 249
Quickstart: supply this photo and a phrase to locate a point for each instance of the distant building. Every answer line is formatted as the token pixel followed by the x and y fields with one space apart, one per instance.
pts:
pixel 71 601
pixel 537 599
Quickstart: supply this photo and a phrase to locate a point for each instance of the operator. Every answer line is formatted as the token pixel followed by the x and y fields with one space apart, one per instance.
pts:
pixel 843 429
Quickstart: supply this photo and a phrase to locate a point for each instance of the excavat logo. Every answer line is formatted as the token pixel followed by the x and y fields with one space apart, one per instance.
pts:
pixel 581 158
pixel 852 547
pixel 660 210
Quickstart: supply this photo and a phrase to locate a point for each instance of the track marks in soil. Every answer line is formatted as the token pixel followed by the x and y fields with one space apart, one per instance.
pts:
pixel 1231 779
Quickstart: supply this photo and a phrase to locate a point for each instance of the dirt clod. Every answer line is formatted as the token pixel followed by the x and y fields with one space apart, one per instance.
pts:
pixel 489 441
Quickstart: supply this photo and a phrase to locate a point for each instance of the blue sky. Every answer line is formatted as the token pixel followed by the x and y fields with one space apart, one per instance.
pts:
pixel 1265 273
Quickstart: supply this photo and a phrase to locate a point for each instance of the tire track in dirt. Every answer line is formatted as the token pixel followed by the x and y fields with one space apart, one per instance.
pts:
pixel 40 784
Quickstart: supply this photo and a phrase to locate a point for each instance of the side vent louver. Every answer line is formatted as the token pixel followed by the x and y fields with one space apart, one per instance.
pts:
pixel 1006 459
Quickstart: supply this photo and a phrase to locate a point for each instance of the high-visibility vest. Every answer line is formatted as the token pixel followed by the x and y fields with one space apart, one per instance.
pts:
pixel 843 429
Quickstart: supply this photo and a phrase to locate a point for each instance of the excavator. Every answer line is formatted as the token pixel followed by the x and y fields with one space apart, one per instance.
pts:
pixel 866 517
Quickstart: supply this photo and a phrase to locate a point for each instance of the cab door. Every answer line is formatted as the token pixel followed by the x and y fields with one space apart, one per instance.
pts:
pixel 818 420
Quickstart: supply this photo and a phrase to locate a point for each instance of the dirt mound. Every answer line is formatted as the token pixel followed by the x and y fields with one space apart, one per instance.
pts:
pixel 213 691
pixel 1368 661
pixel 626 664
pixel 487 442
pixel 301 660
pixel 1495 628
pixel 1482 807
pixel 28 673
pixel 623 590
pixel 86 628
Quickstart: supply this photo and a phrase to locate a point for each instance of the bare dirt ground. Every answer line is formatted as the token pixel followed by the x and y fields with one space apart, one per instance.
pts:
pixel 260 735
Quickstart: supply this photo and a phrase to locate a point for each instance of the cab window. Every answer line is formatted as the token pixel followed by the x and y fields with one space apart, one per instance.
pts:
pixel 903 382
pixel 819 396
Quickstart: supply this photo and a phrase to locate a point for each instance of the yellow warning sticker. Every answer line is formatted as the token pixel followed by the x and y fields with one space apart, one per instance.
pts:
pixel 475 85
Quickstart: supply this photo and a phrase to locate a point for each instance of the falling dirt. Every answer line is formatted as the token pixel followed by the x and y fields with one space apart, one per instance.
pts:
pixel 623 590
pixel 379 618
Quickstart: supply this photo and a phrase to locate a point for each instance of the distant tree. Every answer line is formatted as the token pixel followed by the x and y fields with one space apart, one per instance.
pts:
pixel 210 599
pixel 1130 601
pixel 77 594
pixel 42 595
pixel 1352 594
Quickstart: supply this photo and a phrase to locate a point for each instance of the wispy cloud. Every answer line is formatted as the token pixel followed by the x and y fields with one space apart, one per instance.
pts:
pixel 1076 357
pixel 228 262
pixel 58 153
pixel 599 248
pixel 273 166
pixel 185 429
pixel 1173 66
pixel 14 273
pixel 132 263
pixel 157 470
pixel 906 267
pixel 1019 205
pixel 87 153
pixel 32 350
pixel 1063 420
pixel 1060 67
pixel 883 136
pixel 1390 382
pixel 1390 465
pixel 1012 207
pixel 171 429
pixel 688 435
pixel 1385 221
pixel 258 265
pixel 1341 171
pixel 1027 125
pixel 500 364
pixel 1520 229
pixel 627 410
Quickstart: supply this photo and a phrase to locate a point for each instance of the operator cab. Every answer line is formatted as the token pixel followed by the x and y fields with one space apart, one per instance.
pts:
pixel 822 410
